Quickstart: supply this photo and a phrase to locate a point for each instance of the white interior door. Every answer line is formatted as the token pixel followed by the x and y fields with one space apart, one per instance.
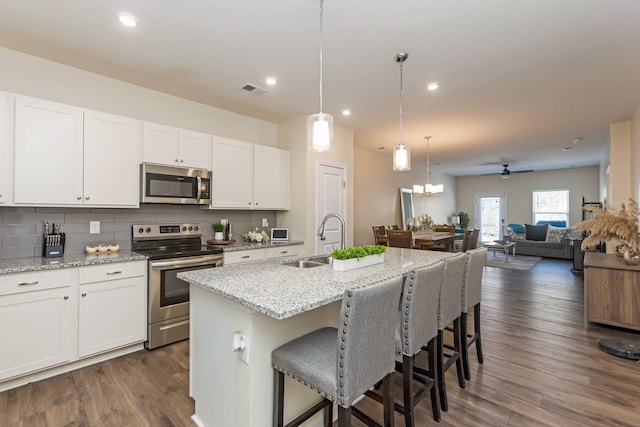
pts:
pixel 330 198
pixel 490 212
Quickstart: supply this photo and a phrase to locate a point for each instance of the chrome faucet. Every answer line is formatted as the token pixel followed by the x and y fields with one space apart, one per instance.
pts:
pixel 320 232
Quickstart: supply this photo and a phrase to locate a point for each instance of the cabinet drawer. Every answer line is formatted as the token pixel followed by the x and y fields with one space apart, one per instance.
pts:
pixel 113 271
pixel 283 251
pixel 243 256
pixel 35 281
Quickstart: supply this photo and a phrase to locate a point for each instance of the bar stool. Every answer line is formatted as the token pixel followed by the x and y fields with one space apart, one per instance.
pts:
pixel 419 328
pixel 449 312
pixel 471 295
pixel 342 364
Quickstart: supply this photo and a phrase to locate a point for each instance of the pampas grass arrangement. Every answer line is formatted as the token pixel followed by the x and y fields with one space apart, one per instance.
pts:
pixel 609 224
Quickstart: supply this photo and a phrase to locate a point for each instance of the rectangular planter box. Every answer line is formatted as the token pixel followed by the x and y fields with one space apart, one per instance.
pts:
pixel 353 263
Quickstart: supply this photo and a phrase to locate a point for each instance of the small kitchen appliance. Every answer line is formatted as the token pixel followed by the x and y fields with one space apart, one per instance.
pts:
pixel 174 185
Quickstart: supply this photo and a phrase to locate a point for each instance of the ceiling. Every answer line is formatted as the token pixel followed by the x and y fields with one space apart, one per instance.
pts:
pixel 519 80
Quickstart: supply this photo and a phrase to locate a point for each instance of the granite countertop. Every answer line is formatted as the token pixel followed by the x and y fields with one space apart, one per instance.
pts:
pixel 242 245
pixel 19 265
pixel 282 291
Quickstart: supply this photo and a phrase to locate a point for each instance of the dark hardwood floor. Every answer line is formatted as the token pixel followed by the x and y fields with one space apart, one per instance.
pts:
pixel 541 369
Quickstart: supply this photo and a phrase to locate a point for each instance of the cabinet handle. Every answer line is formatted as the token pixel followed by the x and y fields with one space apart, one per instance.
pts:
pixel 284 252
pixel 84 294
pixel 79 197
pixel 181 160
pixel 111 273
pixel 249 203
pixel 28 283
pixel 176 160
pixel 66 297
pixel 245 256
pixel 87 198
pixel 256 203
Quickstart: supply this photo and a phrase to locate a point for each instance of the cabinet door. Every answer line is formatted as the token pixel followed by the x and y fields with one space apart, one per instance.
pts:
pixel 271 178
pixel 160 144
pixel 232 185
pixel 48 152
pixel 111 171
pixel 250 255
pixel 195 150
pixel 111 314
pixel 36 330
pixel 6 137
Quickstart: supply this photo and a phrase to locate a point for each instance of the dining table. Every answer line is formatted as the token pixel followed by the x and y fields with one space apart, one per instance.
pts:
pixel 424 239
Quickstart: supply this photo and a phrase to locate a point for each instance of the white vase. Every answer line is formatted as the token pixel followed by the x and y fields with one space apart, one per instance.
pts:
pixel 218 235
pixel 353 263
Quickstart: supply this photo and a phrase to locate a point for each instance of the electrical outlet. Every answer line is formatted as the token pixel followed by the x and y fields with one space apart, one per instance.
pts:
pixel 244 354
pixel 264 222
pixel 94 227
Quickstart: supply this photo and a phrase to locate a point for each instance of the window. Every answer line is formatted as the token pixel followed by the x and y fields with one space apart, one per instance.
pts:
pixel 551 205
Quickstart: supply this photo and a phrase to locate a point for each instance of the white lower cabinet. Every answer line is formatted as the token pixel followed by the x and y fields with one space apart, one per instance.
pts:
pixel 251 255
pixel 36 313
pixel 111 307
pixel 57 317
pixel 283 251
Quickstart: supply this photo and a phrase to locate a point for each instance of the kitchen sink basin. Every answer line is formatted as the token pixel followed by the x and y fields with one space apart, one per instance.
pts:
pixel 309 263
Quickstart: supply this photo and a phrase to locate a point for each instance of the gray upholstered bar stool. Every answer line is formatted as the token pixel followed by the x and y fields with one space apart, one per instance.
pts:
pixel 419 328
pixel 471 295
pixel 449 312
pixel 341 364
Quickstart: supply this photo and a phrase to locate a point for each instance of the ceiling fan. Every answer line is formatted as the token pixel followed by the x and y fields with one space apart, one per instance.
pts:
pixel 506 173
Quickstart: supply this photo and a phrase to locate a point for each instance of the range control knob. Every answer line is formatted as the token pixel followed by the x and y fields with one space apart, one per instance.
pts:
pixel 195 228
pixel 190 228
pixel 148 230
pixel 184 228
pixel 140 230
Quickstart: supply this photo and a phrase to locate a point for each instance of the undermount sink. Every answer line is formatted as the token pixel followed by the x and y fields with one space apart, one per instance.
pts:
pixel 309 263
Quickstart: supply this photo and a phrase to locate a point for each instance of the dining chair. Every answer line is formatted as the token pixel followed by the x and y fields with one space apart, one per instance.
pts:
pixel 342 364
pixel 444 228
pixel 466 241
pixel 475 235
pixel 393 227
pixel 399 239
pixel 380 235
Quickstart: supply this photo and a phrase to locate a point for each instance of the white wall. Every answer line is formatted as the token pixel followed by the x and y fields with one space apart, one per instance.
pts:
pixel 377 193
pixel 301 217
pixel 581 182
pixel 621 177
pixel 32 76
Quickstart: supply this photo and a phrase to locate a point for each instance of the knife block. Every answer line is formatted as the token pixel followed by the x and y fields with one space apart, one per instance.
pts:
pixel 53 250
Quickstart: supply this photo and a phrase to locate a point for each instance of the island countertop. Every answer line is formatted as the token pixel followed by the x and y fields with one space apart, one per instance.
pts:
pixel 282 291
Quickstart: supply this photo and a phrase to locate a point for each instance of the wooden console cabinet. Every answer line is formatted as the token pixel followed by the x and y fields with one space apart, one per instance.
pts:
pixel 611 291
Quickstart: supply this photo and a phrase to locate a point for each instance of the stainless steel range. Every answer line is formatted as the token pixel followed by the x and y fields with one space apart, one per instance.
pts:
pixel 171 248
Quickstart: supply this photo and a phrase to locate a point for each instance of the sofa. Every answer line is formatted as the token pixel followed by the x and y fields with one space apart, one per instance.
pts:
pixel 541 239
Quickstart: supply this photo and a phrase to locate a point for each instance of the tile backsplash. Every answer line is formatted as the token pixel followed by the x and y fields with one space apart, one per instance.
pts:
pixel 21 228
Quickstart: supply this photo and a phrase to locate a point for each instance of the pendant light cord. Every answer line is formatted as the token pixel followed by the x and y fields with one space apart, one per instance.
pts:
pixel 427 138
pixel 401 100
pixel 321 34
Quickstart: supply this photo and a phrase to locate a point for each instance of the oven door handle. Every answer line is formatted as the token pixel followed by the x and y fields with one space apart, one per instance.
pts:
pixel 187 262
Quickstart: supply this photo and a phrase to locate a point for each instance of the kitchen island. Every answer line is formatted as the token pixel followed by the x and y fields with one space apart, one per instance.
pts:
pixel 269 303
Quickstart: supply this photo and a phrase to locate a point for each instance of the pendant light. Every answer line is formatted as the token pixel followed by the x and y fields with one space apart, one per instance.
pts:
pixel 428 189
pixel 401 155
pixel 320 125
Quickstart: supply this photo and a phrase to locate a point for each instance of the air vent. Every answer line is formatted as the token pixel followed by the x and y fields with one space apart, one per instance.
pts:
pixel 256 90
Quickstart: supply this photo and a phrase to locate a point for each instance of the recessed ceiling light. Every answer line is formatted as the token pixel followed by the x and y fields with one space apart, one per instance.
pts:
pixel 567 148
pixel 346 112
pixel 433 86
pixel 577 140
pixel 270 81
pixel 127 19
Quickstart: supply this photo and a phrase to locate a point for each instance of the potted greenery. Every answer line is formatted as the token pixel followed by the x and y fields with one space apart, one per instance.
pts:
pixel 219 231
pixel 357 257
pixel 464 220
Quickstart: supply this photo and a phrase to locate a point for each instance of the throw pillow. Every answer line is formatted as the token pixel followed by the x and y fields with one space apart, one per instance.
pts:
pixel 536 232
pixel 555 234
pixel 513 235
pixel 518 228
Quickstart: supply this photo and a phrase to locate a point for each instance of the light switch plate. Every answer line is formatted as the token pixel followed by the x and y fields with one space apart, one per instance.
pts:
pixel 264 222
pixel 94 227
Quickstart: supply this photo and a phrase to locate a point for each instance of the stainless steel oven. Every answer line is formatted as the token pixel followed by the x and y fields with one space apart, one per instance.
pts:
pixel 171 248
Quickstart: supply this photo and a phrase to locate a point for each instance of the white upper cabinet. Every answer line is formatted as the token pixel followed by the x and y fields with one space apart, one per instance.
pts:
pixel 111 159
pixel 6 137
pixel 66 156
pixel 175 147
pixel 232 185
pixel 270 178
pixel 48 153
pixel 249 176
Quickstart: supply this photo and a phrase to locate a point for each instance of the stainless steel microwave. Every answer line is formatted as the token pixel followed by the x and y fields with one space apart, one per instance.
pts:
pixel 174 185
